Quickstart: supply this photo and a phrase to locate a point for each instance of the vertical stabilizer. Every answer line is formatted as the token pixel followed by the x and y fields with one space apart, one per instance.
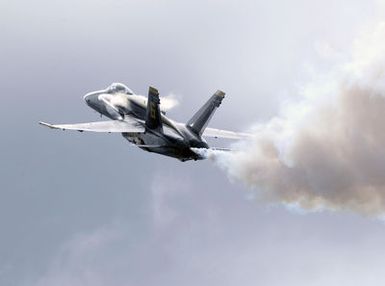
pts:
pixel 153 115
pixel 200 119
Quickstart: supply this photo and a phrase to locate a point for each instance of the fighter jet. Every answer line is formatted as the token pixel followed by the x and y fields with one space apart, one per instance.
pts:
pixel 143 123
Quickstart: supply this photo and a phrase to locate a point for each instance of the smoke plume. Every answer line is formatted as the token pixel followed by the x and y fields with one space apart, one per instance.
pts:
pixel 328 150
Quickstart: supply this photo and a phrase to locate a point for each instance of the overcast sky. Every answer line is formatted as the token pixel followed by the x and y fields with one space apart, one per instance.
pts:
pixel 89 209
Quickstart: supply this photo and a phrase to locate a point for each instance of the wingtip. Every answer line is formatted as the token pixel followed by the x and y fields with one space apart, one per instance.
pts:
pixel 47 124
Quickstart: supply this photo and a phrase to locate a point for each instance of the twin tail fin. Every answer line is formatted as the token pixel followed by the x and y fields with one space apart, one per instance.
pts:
pixel 153 114
pixel 201 118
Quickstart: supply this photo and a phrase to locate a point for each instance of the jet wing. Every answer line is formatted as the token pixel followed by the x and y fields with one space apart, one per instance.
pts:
pixel 126 126
pixel 218 133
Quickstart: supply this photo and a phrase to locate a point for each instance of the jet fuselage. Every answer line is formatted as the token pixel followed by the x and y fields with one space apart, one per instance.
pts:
pixel 173 139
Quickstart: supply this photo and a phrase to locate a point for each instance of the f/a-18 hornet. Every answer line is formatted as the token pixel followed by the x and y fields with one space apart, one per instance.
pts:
pixel 143 123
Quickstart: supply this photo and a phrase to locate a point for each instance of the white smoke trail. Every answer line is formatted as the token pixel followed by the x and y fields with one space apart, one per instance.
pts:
pixel 327 151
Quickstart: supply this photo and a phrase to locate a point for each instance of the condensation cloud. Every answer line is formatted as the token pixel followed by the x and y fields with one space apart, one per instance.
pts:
pixel 328 150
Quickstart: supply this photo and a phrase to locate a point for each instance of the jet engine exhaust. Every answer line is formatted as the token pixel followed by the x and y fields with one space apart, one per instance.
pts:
pixel 328 150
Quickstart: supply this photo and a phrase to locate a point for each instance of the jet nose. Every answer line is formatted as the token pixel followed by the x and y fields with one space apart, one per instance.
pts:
pixel 87 97
pixel 91 98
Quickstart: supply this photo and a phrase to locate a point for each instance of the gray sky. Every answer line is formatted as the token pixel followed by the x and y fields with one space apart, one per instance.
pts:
pixel 88 209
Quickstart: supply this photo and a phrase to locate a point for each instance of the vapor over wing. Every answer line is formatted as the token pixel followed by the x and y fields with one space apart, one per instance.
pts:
pixel 126 126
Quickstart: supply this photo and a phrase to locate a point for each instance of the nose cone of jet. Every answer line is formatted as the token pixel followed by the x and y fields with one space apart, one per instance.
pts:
pixel 87 97
pixel 90 97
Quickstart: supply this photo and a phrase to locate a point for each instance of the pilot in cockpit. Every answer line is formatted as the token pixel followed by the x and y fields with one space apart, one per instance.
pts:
pixel 119 88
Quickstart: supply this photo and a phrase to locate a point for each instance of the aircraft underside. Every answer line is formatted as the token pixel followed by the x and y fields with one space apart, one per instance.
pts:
pixel 164 146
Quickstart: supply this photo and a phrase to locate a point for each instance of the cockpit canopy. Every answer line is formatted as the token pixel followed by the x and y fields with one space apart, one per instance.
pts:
pixel 119 88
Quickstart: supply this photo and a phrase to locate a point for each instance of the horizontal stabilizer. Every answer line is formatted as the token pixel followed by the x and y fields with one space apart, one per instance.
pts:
pixel 118 126
pixel 218 133
pixel 221 149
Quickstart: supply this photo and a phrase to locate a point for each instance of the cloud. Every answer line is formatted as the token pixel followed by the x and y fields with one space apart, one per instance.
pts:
pixel 76 262
pixel 326 151
pixel 165 192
